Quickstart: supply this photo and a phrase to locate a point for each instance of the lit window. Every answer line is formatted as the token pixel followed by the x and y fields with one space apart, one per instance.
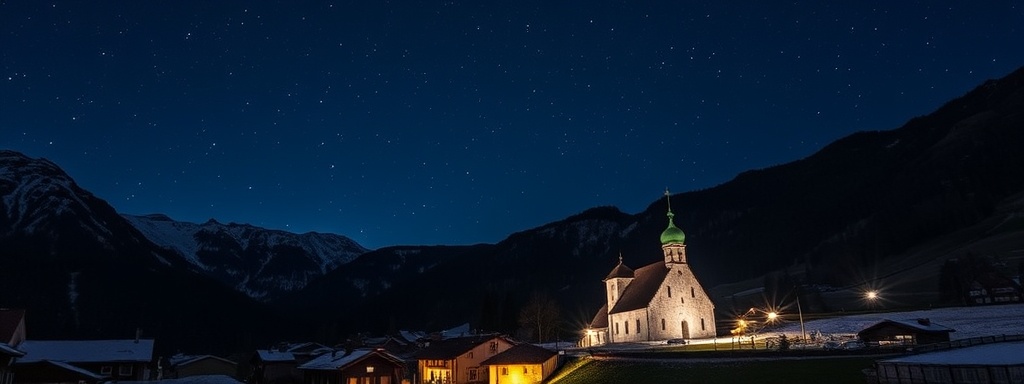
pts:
pixel 369 369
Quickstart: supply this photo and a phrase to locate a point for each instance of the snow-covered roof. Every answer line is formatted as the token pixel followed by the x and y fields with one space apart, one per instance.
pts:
pixel 276 356
pixel 87 351
pixel 458 331
pixel 333 361
pixel 200 379
pixel 1011 353
pixel 77 370
pixel 10 351
pixel 412 335
pixel 181 359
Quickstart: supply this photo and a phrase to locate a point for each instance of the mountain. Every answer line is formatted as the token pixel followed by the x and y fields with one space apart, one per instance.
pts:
pixel 259 262
pixel 82 271
pixel 874 208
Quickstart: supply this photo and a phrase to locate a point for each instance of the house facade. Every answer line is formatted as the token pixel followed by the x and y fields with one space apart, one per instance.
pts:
pixel 202 365
pixel 904 332
pixel 521 364
pixel 458 360
pixel 659 301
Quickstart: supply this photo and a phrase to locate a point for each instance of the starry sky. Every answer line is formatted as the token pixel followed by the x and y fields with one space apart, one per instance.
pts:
pixel 459 122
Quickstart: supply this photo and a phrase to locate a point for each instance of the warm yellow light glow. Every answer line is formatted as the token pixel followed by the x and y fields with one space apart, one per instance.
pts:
pixel 743 323
pixel 772 316
pixel 871 295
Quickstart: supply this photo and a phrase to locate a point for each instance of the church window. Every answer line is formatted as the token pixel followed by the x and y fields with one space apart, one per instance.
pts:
pixel 682 300
pixel 616 328
pixel 626 324
pixel 637 326
pixel 669 291
pixel 702 324
pixel 692 292
pixel 662 324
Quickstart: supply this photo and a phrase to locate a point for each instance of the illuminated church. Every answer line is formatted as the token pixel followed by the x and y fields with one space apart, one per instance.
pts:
pixel 660 301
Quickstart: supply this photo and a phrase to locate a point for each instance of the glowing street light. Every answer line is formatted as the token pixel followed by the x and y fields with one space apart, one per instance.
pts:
pixel 871 295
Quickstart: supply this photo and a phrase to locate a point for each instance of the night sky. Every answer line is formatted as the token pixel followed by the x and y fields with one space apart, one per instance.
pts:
pixel 450 122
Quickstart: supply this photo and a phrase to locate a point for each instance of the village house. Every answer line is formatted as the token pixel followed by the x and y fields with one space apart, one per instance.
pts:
pixel 458 360
pixel 521 364
pixel 57 361
pixel 198 365
pixel 360 366
pixel 659 301
pixel 901 332
pixel 280 364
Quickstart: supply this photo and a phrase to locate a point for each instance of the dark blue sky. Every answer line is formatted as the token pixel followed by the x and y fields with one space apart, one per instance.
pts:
pixel 449 122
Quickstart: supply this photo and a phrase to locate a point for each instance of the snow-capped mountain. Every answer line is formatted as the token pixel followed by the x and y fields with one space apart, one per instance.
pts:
pixel 41 204
pixel 259 262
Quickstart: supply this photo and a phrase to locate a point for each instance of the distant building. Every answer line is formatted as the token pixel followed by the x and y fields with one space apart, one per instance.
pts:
pixel 199 365
pixel 458 360
pixel 521 364
pixel 899 332
pixel 12 326
pixel 61 361
pixel 280 364
pixel 994 289
pixel 659 301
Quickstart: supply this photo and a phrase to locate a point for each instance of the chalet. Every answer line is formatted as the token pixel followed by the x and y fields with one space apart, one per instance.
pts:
pixel 58 361
pixel 199 365
pixel 360 366
pixel 458 360
pixel 521 364
pixel 899 332
pixel 281 363
pixel 994 289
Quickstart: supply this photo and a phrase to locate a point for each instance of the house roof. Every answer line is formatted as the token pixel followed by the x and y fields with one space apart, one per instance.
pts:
pixel 639 293
pixel 8 350
pixel 87 351
pixel 521 354
pixel 339 360
pixel 601 318
pixel 270 355
pixel 452 348
pixel 620 271
pixel 10 319
pixel 180 360
pixel 920 325
pixel 75 370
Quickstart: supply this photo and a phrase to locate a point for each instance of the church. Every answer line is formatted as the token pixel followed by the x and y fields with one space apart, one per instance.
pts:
pixel 660 301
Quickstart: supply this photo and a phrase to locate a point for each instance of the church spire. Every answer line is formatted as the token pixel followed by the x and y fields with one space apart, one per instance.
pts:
pixel 672 234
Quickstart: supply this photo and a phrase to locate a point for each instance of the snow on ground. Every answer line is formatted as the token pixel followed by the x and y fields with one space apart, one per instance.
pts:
pixel 987 354
pixel 967 322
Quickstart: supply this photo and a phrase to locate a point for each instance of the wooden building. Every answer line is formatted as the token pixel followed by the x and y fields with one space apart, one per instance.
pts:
pixel 200 365
pixel 458 360
pixel 521 364
pixel 73 361
pixel 903 332
pixel 360 366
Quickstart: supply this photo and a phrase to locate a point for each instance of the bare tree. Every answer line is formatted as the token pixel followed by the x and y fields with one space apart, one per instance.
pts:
pixel 540 314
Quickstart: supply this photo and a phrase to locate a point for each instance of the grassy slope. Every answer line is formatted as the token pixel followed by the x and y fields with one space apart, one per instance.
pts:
pixel 831 370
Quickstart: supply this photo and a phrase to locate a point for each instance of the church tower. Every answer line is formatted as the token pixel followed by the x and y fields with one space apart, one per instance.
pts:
pixel 672 239
pixel 616 282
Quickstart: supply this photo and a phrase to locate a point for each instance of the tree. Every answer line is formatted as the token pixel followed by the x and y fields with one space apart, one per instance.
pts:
pixel 540 315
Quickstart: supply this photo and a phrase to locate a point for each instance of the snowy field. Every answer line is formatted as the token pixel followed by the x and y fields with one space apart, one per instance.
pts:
pixel 967 322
